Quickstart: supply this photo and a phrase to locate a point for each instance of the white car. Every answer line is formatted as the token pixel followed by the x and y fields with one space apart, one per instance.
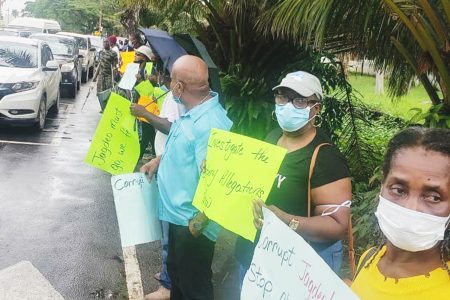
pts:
pixel 87 50
pixel 29 81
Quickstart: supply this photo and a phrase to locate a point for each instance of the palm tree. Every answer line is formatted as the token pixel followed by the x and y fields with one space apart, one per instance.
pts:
pixel 409 37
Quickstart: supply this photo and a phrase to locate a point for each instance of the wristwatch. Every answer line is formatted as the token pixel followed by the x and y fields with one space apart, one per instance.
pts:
pixel 293 224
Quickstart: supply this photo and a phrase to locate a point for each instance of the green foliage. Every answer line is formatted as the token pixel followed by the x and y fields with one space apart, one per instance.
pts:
pixel 433 117
pixel 408 37
pixel 365 226
pixel 248 104
pixel 76 15
pixel 417 97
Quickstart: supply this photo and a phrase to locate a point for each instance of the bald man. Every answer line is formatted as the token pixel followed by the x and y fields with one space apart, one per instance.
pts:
pixel 191 235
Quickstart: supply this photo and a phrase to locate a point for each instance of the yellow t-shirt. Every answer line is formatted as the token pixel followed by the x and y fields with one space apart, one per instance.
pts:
pixel 370 284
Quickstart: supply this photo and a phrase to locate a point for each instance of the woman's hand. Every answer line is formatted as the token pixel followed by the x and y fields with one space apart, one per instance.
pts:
pixel 258 217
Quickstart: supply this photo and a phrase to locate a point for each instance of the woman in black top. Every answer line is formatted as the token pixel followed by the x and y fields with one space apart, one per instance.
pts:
pixel 297 103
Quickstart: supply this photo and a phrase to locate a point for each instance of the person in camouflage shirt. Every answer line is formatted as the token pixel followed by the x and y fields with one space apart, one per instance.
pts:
pixel 106 67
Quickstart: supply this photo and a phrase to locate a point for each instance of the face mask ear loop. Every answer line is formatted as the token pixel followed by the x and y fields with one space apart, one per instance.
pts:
pixel 309 120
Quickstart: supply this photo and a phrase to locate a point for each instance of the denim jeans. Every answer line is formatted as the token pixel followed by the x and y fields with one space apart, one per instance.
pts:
pixel 332 255
pixel 164 277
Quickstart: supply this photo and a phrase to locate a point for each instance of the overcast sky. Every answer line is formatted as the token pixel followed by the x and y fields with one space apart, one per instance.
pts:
pixel 14 4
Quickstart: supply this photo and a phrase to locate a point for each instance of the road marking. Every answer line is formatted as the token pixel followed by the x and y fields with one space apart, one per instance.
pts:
pixel 24 281
pixel 26 143
pixel 133 274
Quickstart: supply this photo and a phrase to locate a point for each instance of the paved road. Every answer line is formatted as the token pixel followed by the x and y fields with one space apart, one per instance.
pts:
pixel 56 211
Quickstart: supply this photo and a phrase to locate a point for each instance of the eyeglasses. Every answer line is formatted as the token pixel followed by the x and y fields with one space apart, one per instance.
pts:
pixel 298 102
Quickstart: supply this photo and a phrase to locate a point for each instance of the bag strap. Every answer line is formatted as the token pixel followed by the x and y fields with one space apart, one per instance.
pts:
pixel 311 170
pixel 351 250
pixel 372 251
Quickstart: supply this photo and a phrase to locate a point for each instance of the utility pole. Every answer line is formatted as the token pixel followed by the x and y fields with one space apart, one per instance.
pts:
pixel 100 26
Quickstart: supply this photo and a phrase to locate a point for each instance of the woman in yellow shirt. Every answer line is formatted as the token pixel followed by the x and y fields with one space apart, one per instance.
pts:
pixel 413 213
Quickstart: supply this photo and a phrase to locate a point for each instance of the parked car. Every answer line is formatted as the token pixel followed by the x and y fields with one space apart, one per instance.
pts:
pixel 15 32
pixel 97 43
pixel 29 81
pixel 35 25
pixel 87 50
pixel 65 51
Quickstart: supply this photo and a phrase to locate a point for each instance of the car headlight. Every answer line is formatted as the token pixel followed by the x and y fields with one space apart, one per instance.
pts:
pixel 67 67
pixel 24 86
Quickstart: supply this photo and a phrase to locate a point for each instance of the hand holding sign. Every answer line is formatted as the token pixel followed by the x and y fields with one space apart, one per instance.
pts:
pixel 285 267
pixel 115 146
pixel 239 169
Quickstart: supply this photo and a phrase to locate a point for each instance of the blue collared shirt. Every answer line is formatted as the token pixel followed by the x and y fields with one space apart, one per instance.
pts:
pixel 179 169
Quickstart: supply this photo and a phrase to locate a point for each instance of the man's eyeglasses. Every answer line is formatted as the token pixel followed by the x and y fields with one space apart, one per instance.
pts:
pixel 298 102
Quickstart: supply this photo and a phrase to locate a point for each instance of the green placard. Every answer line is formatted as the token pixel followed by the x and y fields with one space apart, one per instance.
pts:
pixel 145 88
pixel 115 146
pixel 148 68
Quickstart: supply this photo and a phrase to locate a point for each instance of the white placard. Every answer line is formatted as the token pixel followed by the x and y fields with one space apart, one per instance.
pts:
pixel 285 267
pixel 137 209
pixel 129 77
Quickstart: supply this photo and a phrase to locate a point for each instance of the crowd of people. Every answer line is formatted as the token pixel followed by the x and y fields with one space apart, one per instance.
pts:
pixel 412 261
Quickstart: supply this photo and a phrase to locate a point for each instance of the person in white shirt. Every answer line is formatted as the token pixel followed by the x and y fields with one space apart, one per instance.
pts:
pixel 113 40
pixel 170 111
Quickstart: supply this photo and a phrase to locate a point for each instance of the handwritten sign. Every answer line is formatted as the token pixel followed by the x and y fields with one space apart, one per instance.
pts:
pixel 136 202
pixel 145 88
pixel 127 58
pixel 115 146
pixel 238 170
pixel 284 267
pixel 129 77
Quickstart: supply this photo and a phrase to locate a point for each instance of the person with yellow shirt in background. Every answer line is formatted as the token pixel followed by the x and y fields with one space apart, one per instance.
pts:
pixel 413 214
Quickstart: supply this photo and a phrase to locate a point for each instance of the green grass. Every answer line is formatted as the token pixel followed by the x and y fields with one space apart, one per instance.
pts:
pixel 400 107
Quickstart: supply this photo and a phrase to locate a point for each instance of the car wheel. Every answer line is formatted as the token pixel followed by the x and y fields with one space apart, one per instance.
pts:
pixel 84 77
pixel 42 113
pixel 91 72
pixel 73 90
pixel 78 83
pixel 55 107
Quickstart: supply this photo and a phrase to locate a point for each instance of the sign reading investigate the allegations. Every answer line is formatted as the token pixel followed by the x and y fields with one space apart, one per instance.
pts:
pixel 238 170
pixel 115 146
pixel 285 267
pixel 136 202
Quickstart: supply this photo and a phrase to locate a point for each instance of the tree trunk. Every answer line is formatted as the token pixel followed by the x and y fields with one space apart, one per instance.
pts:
pixel 379 83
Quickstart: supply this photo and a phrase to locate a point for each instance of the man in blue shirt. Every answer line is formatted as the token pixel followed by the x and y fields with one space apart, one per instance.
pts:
pixel 191 235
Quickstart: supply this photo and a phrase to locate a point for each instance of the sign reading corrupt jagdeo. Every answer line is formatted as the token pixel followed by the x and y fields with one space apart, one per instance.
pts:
pixel 286 267
pixel 238 169
pixel 115 146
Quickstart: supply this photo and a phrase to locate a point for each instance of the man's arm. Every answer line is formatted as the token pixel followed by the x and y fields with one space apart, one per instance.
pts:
pixel 159 123
pixel 151 167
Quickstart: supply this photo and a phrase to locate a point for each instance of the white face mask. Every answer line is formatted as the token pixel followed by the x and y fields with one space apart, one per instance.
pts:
pixel 408 229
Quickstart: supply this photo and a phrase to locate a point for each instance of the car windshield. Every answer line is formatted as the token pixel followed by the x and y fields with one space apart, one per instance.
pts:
pixel 97 43
pixel 59 46
pixel 16 55
pixel 82 43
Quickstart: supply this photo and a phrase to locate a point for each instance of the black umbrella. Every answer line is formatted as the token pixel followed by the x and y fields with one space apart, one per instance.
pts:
pixel 194 47
pixel 164 45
